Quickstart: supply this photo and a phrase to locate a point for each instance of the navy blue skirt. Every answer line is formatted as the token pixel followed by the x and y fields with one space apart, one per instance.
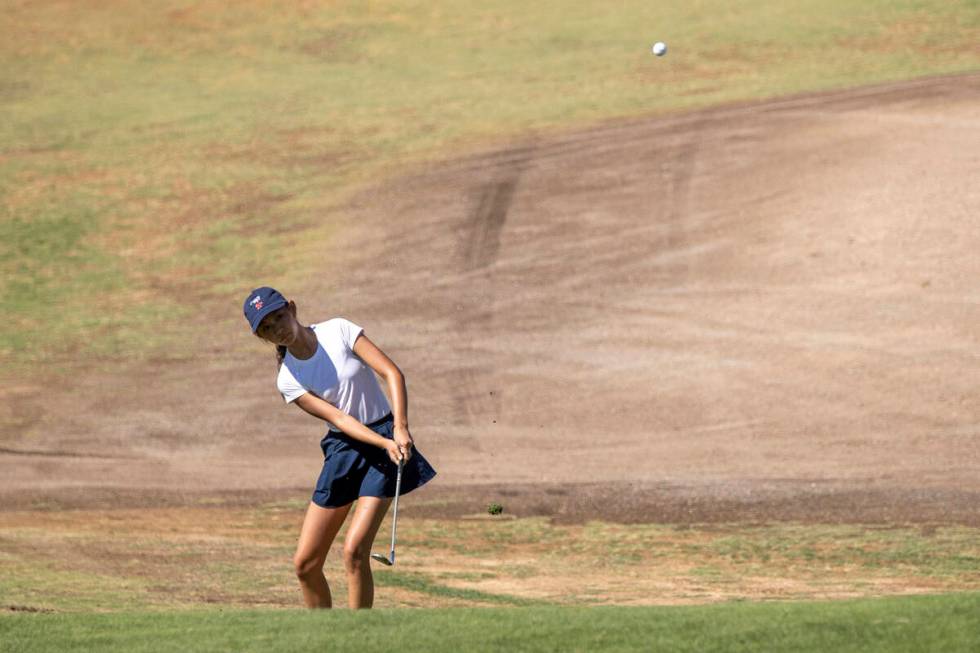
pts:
pixel 352 468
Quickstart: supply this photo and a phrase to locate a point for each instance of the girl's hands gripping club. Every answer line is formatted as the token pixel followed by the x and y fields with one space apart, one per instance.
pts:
pixel 404 441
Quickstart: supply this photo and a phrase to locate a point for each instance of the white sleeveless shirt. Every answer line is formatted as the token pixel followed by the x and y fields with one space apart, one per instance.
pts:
pixel 335 374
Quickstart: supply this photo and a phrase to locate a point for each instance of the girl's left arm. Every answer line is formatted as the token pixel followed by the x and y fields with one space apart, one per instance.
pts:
pixel 376 359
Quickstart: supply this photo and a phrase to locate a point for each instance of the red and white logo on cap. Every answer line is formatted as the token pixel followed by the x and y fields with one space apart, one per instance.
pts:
pixel 256 303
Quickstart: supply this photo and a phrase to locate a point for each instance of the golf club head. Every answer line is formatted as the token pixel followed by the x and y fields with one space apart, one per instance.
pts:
pixel 382 559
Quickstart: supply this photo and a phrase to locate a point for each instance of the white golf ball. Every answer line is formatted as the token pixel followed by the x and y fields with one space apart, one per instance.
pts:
pixel 660 48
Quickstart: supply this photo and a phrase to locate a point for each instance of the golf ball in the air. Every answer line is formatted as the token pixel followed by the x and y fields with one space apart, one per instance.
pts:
pixel 660 48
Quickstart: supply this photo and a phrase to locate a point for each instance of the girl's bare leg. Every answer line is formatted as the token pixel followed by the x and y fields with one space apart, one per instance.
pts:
pixel 357 550
pixel 320 527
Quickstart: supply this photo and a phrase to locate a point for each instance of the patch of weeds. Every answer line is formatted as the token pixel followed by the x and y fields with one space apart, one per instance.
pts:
pixel 472 576
pixel 44 587
pixel 740 549
pixel 706 572
pixel 424 584
pixel 523 571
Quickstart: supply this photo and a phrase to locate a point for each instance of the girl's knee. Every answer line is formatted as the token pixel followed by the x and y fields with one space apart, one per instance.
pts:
pixel 307 566
pixel 355 556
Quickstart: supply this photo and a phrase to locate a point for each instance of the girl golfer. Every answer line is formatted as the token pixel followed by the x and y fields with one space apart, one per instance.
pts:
pixel 327 369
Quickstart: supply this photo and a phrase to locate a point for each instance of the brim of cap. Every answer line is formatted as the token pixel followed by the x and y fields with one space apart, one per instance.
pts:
pixel 265 310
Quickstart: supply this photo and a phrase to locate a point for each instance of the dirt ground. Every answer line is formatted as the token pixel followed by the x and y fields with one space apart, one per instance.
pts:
pixel 765 311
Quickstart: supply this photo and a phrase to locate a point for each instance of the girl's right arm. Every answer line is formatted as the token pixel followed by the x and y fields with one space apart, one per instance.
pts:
pixel 350 425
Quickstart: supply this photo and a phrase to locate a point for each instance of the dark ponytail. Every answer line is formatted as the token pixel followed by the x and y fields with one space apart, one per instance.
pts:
pixel 280 355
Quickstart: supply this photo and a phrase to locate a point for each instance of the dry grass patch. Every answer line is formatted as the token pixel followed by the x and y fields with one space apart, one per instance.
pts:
pixel 200 556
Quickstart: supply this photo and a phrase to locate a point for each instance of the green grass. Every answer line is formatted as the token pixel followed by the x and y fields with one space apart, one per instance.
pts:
pixel 153 154
pixel 948 623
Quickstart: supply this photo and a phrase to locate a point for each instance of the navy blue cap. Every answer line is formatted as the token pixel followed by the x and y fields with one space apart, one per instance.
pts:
pixel 260 302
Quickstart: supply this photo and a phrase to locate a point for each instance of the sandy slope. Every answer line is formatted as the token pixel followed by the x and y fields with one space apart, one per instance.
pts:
pixel 780 299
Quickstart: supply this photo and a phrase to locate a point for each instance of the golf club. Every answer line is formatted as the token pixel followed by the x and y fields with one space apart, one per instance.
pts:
pixel 394 520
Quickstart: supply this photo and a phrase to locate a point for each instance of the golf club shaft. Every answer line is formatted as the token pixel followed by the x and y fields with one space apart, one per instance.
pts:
pixel 394 519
